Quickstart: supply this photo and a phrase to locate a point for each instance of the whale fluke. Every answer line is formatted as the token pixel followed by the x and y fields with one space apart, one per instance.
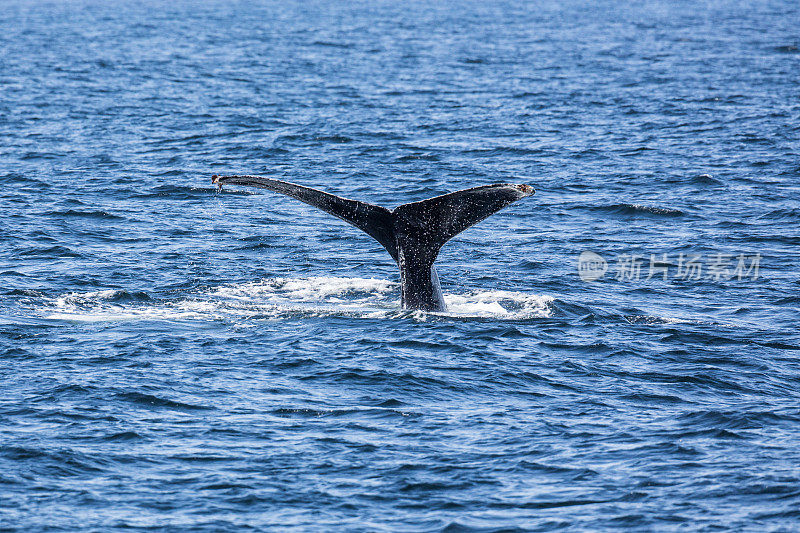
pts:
pixel 412 233
pixel 373 220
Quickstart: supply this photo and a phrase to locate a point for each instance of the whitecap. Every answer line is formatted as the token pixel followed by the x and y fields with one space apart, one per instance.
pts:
pixel 505 305
pixel 280 298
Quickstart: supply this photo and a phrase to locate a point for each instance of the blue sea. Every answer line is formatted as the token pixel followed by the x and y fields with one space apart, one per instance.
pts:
pixel 621 350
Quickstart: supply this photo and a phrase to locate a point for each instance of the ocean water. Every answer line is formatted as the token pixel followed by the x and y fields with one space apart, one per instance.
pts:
pixel 177 358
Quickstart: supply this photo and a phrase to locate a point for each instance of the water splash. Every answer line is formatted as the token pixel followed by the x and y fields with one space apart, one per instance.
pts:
pixel 279 298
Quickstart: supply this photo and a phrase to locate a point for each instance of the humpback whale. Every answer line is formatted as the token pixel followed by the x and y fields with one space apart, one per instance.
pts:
pixel 412 233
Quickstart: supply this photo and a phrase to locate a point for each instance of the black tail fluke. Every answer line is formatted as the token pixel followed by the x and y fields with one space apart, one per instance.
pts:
pixel 412 233
pixel 422 228
pixel 441 218
pixel 374 220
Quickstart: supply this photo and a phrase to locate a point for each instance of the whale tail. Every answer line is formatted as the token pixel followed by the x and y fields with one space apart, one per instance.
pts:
pixel 412 233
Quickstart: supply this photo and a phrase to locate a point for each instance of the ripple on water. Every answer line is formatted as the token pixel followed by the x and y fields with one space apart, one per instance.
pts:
pixel 160 370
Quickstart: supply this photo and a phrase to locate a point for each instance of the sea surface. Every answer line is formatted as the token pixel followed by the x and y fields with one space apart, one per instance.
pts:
pixel 178 358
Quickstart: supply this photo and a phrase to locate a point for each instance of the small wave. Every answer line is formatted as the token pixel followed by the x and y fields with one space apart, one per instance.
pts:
pixel 151 401
pixel 572 309
pixel 73 213
pixel 787 49
pixel 733 420
pixel 258 246
pixel 64 462
pixel 123 436
pixel 527 94
pixel 779 345
pixel 32 156
pixel 332 44
pixel 24 292
pixel 706 179
pixel 52 251
pixel 14 177
pixel 305 412
pixel 782 214
pixel 338 139
pixel 110 295
pixel 176 192
pixel 418 156
pixel 504 150
pixel 638 210
pixel 12 273
pixel 171 172
pixel 648 319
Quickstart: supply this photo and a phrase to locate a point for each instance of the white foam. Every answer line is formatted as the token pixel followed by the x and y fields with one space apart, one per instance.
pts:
pixel 280 298
pixel 73 299
pixel 506 305
pixel 94 306
pixel 306 289
pixel 651 319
